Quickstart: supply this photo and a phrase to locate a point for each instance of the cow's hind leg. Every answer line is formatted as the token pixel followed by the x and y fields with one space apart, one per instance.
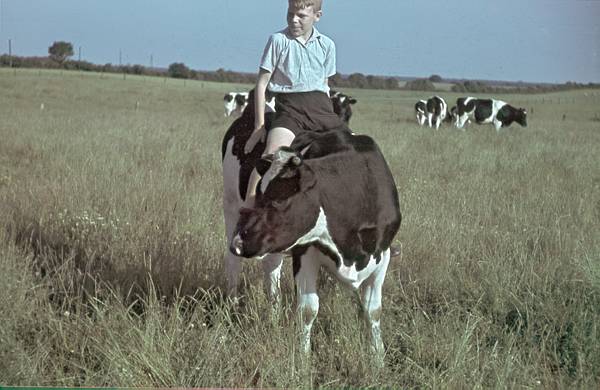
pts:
pixel 371 300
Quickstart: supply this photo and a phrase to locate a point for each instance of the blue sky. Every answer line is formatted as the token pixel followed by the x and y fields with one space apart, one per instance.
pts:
pixel 527 40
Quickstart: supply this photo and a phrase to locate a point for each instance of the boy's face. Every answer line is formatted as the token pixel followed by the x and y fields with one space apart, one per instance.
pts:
pixel 301 21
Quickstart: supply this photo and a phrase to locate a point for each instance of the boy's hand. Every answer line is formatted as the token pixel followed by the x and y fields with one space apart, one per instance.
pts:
pixel 259 134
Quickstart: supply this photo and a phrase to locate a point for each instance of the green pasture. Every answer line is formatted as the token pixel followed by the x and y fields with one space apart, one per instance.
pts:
pixel 111 240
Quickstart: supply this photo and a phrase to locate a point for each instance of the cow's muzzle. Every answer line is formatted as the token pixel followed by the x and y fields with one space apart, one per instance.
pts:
pixel 237 246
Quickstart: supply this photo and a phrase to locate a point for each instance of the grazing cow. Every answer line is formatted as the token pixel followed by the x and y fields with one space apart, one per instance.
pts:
pixel 436 111
pixel 500 113
pixel 421 112
pixel 329 199
pixel 235 102
pixel 342 105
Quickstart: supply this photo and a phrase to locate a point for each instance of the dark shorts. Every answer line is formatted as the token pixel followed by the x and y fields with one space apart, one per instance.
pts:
pixel 305 111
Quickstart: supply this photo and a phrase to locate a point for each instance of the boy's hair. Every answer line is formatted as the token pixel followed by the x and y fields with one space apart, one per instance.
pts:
pixel 300 4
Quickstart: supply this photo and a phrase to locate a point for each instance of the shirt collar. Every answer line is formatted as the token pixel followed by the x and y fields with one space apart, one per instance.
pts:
pixel 315 35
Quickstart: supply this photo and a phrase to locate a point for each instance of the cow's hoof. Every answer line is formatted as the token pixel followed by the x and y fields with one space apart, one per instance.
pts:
pixel 395 251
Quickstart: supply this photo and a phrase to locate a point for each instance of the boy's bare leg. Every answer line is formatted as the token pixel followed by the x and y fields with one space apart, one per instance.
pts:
pixel 278 136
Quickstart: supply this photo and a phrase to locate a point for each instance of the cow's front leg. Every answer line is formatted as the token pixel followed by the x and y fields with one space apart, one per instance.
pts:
pixel 306 271
pixel 497 124
pixel 371 291
pixel 272 275
pixel 233 267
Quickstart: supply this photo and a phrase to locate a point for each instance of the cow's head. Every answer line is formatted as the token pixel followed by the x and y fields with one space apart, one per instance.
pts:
pixel 521 117
pixel 286 207
pixel 240 99
pixel 342 105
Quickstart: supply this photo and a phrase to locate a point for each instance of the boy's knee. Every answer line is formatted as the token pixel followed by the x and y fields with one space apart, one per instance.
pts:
pixel 277 137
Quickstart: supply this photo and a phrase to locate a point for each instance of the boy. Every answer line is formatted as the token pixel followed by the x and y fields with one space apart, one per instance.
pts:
pixel 295 66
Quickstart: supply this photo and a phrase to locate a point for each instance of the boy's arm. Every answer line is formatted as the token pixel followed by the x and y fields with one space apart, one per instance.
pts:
pixel 259 133
pixel 259 98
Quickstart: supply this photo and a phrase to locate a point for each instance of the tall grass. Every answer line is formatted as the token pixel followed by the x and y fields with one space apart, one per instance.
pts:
pixel 112 239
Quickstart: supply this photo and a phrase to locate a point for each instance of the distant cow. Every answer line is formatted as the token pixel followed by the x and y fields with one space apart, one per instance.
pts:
pixel 342 105
pixel 236 102
pixel 329 199
pixel 436 111
pixel 497 112
pixel 421 111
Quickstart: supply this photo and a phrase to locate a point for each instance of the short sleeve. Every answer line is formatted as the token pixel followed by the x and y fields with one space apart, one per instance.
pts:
pixel 330 67
pixel 269 57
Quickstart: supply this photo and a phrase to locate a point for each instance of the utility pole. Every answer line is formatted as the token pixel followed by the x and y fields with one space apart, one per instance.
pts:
pixel 79 53
pixel 10 53
pixel 151 61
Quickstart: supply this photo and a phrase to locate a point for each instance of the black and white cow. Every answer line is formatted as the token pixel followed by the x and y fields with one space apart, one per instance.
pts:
pixel 437 110
pixel 236 102
pixel 497 112
pixel 342 105
pixel 421 111
pixel 329 199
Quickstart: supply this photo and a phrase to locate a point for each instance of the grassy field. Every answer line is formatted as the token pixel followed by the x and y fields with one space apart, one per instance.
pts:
pixel 111 240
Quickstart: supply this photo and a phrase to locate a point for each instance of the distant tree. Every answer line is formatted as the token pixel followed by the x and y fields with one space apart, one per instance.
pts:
pixel 420 85
pixel 60 51
pixel 336 80
pixel 391 83
pixel 460 87
pixel 178 70
pixel 137 69
pixel 434 78
pixel 357 80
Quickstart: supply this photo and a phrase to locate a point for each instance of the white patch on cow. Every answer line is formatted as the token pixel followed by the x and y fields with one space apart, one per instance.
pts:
pixel 270 105
pixel 347 274
pixel 421 114
pixel 319 233
pixel 462 119
pixel 496 106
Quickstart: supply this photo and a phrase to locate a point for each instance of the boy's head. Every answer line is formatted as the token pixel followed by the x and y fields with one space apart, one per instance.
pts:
pixel 302 15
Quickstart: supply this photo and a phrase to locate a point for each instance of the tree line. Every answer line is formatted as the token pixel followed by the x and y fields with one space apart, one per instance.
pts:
pixel 60 52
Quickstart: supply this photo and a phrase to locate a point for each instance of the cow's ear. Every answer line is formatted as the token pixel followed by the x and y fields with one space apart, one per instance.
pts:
pixel 304 150
pixel 352 101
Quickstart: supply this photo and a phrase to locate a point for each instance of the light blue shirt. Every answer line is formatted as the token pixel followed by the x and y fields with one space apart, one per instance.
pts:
pixel 298 67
